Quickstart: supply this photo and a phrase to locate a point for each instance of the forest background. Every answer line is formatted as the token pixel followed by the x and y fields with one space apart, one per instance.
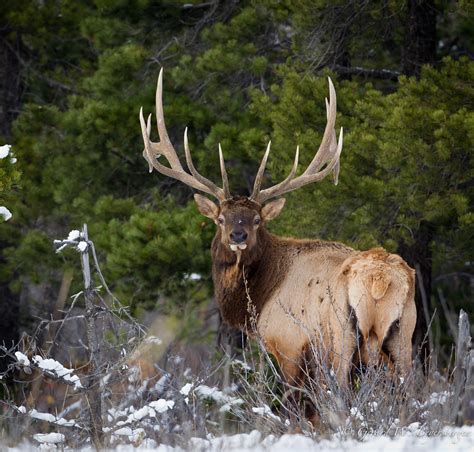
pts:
pixel 73 75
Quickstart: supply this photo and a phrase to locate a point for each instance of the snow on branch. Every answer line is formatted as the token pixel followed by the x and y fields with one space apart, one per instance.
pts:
pixel 51 368
pixel 47 417
pixel 75 239
pixel 4 151
pixel 5 213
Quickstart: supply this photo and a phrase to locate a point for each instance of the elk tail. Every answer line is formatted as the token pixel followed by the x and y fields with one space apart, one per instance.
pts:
pixel 380 282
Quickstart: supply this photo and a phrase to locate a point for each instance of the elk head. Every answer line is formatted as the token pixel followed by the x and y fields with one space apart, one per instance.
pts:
pixel 239 218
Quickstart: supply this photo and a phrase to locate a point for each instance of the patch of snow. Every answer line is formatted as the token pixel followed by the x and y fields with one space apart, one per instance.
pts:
pixel 439 398
pixel 450 439
pixel 58 369
pixel 141 413
pixel 217 396
pixel 22 359
pixel 133 435
pixel 82 246
pixel 133 415
pixel 49 438
pixel 265 410
pixel 5 213
pixel 242 364
pixel 65 423
pixel 205 392
pixel 373 406
pixel 126 431
pixel 414 427
pixel 74 235
pixel 4 151
pixel 48 417
pixel 162 405
pixel 357 414
pixel 185 390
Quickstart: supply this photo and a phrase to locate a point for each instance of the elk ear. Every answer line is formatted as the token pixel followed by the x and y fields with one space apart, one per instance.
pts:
pixel 272 209
pixel 206 207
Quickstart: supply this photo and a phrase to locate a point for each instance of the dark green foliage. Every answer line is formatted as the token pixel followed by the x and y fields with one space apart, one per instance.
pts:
pixel 238 73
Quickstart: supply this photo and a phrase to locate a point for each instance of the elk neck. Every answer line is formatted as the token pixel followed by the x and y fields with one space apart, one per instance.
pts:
pixel 243 277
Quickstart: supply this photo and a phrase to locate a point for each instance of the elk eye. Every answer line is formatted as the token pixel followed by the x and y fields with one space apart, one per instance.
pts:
pixel 257 221
pixel 221 220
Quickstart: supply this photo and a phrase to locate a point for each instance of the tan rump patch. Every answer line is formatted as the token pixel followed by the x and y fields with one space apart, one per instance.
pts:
pixel 380 283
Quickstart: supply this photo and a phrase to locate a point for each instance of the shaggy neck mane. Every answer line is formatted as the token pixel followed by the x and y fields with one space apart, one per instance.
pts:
pixel 244 281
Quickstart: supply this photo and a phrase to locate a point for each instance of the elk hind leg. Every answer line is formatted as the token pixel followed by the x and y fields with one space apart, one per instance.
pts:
pixel 397 343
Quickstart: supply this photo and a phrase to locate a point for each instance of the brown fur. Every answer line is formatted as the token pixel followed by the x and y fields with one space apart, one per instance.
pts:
pixel 264 267
pixel 293 293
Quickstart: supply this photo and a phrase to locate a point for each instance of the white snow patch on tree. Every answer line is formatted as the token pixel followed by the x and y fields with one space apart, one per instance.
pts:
pixel 51 365
pixel 265 410
pixel 186 389
pixel 4 151
pixel 82 246
pixel 217 396
pixel 74 235
pixel 48 417
pixel 5 213
pixel 133 435
pixel 22 359
pixel 162 405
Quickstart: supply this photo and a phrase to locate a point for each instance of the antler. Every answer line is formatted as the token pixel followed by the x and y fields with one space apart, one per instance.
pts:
pixel 164 147
pixel 328 154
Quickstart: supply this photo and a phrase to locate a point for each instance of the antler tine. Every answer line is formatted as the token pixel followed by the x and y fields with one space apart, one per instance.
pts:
pixel 180 175
pixel 148 132
pixel 225 180
pixel 276 189
pixel 321 156
pixel 328 154
pixel 259 176
pixel 317 176
pixel 153 151
pixel 213 187
pixel 165 142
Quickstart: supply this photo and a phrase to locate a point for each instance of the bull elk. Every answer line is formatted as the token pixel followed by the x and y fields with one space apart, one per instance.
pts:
pixel 301 291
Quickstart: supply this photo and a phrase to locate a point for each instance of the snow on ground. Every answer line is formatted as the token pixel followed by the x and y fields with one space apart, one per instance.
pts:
pixel 448 440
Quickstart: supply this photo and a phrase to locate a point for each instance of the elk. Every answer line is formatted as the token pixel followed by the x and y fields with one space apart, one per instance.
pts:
pixel 295 292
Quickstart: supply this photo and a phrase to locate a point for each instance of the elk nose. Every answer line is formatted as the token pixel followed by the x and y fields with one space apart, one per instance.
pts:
pixel 238 236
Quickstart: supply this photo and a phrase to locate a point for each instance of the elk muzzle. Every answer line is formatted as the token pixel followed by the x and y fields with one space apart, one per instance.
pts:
pixel 237 239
